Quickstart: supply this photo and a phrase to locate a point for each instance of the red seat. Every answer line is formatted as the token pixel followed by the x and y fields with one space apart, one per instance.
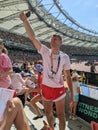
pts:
pixel 94 125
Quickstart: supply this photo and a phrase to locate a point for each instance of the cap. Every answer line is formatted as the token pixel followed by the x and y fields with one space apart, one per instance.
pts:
pixel 38 67
pixel 75 75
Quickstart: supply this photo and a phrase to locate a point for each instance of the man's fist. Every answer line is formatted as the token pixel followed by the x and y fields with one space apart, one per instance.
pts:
pixel 23 16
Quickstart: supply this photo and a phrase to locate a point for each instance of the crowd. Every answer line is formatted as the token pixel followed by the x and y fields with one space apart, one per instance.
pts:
pixel 14 111
pixel 43 81
pixel 23 80
pixel 78 53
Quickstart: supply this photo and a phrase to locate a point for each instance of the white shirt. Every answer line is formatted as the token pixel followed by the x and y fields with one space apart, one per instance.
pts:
pixel 30 84
pixel 57 80
pixel 17 81
pixel 75 87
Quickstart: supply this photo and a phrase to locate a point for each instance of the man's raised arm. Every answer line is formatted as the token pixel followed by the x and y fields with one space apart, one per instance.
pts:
pixel 30 31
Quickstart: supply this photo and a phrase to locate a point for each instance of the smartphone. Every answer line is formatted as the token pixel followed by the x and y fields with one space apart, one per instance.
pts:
pixel 28 14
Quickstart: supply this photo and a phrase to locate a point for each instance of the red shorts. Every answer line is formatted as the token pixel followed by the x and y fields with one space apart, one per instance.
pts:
pixel 15 93
pixel 54 94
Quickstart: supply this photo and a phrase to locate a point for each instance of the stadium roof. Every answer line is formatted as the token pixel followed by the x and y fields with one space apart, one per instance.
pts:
pixel 46 20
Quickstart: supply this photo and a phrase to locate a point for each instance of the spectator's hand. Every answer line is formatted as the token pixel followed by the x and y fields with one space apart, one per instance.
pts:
pixel 8 110
pixel 22 16
pixel 7 114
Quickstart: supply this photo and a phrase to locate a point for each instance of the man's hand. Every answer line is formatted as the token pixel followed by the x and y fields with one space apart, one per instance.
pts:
pixel 23 16
pixel 71 99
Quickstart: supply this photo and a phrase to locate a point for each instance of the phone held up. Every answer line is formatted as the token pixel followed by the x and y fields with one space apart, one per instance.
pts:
pixel 28 14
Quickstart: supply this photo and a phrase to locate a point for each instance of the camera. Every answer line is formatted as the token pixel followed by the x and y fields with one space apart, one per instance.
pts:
pixel 28 14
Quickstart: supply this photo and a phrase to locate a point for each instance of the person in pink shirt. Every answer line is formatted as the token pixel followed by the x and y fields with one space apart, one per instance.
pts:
pixel 14 112
pixel 5 67
pixel 54 62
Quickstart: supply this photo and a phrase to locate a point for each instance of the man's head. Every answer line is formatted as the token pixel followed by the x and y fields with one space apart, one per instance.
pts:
pixel 56 41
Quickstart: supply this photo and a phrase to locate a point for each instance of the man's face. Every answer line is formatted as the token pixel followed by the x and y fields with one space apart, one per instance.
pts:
pixel 55 41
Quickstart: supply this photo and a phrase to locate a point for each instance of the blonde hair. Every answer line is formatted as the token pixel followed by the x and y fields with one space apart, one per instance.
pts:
pixel 4 50
pixel 1 42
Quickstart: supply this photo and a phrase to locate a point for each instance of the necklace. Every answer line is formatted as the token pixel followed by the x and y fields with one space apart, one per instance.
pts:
pixel 51 58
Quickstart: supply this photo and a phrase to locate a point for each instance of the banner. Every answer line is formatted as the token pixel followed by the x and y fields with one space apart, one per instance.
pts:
pixel 87 108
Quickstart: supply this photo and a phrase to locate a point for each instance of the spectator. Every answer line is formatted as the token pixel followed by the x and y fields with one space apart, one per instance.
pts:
pixel 14 112
pixel 76 91
pixel 5 67
pixel 37 94
pixel 18 84
pixel 92 68
pixel 54 62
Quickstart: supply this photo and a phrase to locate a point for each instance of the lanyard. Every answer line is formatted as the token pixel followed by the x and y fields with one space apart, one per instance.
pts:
pixel 51 58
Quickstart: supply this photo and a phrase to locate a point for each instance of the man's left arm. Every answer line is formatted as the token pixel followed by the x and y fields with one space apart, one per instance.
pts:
pixel 69 82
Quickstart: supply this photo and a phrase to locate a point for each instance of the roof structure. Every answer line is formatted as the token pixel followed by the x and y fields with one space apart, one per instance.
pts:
pixel 47 18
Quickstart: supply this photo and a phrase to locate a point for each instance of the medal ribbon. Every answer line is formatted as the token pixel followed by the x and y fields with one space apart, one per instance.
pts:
pixel 51 58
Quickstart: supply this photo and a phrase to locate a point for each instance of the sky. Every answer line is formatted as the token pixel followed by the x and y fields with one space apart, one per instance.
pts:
pixel 85 12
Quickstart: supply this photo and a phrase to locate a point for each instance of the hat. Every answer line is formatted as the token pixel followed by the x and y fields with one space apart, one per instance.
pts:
pixel 75 75
pixel 38 67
